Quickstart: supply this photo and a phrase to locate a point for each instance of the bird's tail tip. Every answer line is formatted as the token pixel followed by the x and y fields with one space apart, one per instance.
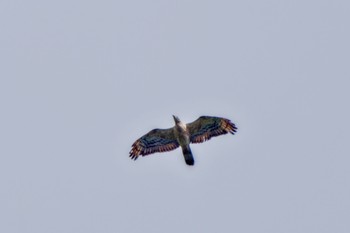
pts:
pixel 190 162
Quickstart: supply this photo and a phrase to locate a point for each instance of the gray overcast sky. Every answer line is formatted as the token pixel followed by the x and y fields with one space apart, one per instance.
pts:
pixel 82 80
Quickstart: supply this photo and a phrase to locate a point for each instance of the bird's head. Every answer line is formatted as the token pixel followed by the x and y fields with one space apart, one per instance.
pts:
pixel 176 119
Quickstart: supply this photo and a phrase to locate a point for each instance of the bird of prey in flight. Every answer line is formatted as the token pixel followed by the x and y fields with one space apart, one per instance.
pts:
pixel 162 140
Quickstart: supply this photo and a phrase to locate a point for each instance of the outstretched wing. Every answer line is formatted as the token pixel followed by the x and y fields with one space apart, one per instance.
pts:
pixel 206 127
pixel 157 140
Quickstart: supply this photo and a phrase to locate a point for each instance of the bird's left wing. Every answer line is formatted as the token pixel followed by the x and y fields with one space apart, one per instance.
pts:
pixel 157 140
pixel 206 127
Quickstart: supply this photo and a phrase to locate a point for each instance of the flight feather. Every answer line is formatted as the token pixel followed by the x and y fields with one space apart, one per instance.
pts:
pixel 157 140
pixel 206 127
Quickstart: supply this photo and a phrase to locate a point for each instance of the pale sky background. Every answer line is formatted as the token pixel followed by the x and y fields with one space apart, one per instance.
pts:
pixel 82 80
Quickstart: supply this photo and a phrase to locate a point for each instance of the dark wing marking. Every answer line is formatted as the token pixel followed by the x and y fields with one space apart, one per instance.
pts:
pixel 206 127
pixel 157 140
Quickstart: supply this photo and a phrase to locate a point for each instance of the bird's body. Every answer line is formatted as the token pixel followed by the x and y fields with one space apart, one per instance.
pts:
pixel 183 138
pixel 161 140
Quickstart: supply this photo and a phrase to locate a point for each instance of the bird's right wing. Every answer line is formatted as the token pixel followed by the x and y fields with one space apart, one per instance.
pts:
pixel 206 127
pixel 157 140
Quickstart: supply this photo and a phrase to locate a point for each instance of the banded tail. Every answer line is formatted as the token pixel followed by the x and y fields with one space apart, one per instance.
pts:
pixel 188 155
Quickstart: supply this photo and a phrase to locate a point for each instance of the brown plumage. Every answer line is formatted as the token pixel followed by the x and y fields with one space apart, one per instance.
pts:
pixel 206 127
pixel 162 140
pixel 157 140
